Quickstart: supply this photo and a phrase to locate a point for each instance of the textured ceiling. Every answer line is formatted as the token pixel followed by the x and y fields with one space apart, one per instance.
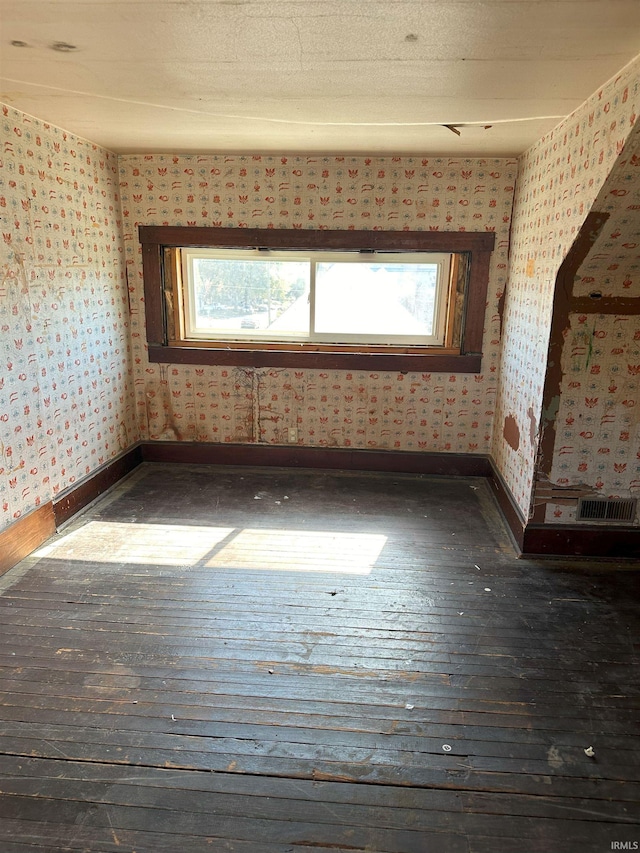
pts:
pixel 336 76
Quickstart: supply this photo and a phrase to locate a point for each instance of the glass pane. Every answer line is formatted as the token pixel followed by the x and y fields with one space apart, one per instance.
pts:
pixel 376 298
pixel 250 297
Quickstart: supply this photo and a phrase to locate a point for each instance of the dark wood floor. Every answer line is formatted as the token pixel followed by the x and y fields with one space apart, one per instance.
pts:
pixel 266 660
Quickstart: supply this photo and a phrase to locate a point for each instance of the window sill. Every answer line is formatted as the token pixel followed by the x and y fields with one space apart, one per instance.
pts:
pixel 312 359
pixel 158 241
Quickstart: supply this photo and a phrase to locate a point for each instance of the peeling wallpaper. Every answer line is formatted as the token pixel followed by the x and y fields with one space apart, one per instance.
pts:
pixel 559 179
pixel 66 389
pixel 598 428
pixel 386 410
pixel 76 387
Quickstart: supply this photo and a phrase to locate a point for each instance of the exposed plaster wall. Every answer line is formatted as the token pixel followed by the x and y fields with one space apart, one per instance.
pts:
pixel 559 179
pixel 66 385
pixel 414 411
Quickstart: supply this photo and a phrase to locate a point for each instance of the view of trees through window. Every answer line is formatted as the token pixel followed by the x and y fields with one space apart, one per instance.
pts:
pixel 252 294
pixel 385 297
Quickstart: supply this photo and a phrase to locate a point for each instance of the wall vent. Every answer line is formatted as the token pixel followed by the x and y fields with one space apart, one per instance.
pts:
pixel 607 511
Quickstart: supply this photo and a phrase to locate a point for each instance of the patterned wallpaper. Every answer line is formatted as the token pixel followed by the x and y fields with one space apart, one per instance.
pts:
pixel 75 389
pixel 558 180
pixel 598 428
pixel 613 265
pixel 416 411
pixel 66 392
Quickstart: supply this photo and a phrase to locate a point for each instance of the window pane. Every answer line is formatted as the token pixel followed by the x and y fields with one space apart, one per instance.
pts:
pixel 376 298
pixel 250 297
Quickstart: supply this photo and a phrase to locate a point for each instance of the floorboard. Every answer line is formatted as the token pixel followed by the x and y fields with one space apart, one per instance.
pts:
pixel 280 661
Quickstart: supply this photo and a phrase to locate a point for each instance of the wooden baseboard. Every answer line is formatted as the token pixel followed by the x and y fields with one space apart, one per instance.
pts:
pixel 563 540
pixel 28 533
pixel 510 510
pixel 285 456
pixel 25 535
pixel 81 494
pixel 573 540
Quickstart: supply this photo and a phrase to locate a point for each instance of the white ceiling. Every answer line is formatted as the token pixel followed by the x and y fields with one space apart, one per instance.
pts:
pixel 332 76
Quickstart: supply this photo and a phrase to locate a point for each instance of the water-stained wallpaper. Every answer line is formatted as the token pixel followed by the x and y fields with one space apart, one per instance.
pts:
pixel 76 387
pixel 360 409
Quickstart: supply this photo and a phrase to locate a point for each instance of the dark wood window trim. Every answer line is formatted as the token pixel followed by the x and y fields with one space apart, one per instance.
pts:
pixel 156 239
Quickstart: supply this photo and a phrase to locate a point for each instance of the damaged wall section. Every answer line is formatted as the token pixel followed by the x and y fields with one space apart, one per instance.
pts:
pixel 593 446
pixel 418 412
pixel 571 171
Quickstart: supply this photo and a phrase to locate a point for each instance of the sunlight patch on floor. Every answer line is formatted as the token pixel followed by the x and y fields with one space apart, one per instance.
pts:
pixel 277 549
pixel 131 542
pixel 301 551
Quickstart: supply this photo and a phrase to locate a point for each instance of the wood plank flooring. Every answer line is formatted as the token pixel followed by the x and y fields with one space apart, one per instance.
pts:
pixel 280 661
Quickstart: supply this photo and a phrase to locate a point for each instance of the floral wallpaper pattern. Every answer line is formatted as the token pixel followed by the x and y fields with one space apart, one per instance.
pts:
pixel 66 385
pixel 559 179
pixel 416 411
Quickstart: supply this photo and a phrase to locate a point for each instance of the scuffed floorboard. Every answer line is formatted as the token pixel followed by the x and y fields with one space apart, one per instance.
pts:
pixel 280 661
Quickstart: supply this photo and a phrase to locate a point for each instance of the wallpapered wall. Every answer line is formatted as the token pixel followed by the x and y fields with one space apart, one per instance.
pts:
pixel 418 412
pixel 75 390
pixel 598 428
pixel 66 391
pixel 613 265
pixel 558 181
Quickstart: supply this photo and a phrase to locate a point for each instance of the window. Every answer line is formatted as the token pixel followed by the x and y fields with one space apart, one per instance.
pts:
pixel 345 299
pixel 339 297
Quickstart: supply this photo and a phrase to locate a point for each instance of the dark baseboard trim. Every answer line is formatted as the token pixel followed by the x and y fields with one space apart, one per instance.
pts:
pixel 510 510
pixel 81 494
pixel 566 540
pixel 531 540
pixel 563 540
pixel 25 535
pixel 284 456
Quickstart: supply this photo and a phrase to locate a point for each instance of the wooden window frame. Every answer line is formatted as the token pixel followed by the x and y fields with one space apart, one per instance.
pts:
pixel 158 241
